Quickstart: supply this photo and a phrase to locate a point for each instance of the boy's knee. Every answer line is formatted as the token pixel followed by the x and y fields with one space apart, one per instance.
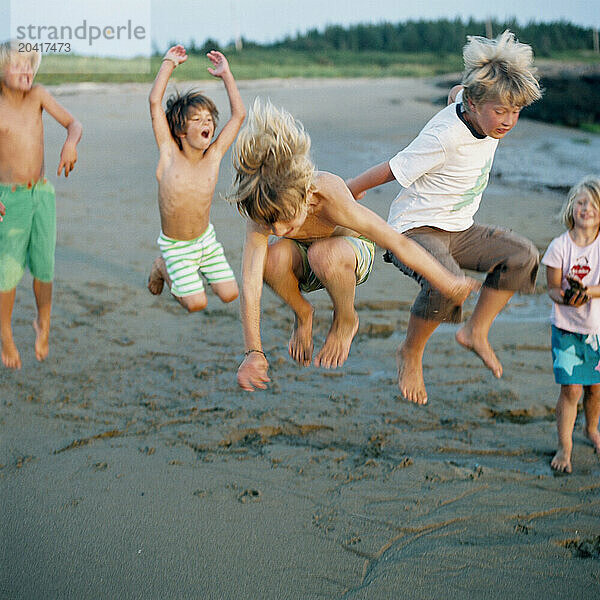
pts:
pixel 526 257
pixel 230 298
pixel 194 303
pixel 229 295
pixel 279 257
pixel 326 260
pixel 517 270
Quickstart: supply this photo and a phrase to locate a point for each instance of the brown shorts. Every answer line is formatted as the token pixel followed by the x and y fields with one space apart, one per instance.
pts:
pixel 511 262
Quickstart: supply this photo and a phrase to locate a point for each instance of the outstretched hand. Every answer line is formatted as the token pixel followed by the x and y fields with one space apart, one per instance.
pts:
pixel 252 373
pixel 176 54
pixel 220 64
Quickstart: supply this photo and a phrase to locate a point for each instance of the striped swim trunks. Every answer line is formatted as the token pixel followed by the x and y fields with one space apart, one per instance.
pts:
pixel 185 260
pixel 364 250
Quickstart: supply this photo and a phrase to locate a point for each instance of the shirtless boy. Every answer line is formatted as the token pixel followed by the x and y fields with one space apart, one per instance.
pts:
pixel 187 173
pixel 27 201
pixel 325 241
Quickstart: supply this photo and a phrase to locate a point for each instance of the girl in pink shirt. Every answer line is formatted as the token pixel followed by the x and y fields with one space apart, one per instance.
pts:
pixel 573 272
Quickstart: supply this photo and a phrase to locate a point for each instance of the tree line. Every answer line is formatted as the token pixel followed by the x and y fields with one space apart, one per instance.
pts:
pixel 442 36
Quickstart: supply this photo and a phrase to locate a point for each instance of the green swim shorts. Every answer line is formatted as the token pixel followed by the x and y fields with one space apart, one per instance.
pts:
pixel 364 249
pixel 27 233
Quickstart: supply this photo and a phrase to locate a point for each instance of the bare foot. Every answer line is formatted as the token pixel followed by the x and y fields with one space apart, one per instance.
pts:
pixel 301 342
pixel 482 348
pixel 156 281
pixel 561 461
pixel 410 377
pixel 10 355
pixel 593 437
pixel 336 348
pixel 42 338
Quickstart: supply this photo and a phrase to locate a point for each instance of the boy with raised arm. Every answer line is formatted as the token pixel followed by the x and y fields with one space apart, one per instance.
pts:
pixel 27 200
pixel 187 173
pixel 444 172
pixel 326 240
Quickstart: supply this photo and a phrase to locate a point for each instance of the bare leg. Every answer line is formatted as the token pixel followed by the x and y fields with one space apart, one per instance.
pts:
pixel 591 408
pixel 158 276
pixel 474 333
pixel 43 299
pixel 409 358
pixel 226 290
pixel 10 354
pixel 282 271
pixel 566 414
pixel 334 263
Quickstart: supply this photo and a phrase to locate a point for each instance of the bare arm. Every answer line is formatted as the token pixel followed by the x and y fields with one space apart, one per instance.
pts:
pixel 349 213
pixel 238 111
pixel 373 177
pixel 554 281
pixel 253 370
pixel 174 56
pixel 68 154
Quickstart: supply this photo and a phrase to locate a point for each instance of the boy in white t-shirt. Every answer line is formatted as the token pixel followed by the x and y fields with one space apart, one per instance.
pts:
pixel 444 172
pixel 573 272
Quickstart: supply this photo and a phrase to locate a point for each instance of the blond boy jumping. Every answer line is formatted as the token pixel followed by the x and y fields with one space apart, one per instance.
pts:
pixel 27 200
pixel 326 240
pixel 187 173
pixel 443 173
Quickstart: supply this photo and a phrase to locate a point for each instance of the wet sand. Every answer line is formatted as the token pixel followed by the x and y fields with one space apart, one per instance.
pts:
pixel 131 465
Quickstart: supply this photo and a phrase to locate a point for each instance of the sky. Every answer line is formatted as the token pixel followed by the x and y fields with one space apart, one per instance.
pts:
pixel 271 20
pixel 259 20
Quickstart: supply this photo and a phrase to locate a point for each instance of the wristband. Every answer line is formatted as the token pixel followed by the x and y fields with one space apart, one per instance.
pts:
pixel 248 352
pixel 174 63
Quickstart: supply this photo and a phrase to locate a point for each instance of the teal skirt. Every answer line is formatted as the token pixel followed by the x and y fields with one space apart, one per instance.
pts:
pixel 576 357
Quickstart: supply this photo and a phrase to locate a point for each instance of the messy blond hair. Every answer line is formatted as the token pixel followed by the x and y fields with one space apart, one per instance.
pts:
pixel 589 185
pixel 10 49
pixel 499 70
pixel 274 171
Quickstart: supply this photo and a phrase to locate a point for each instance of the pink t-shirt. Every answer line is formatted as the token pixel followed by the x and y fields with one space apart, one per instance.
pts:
pixel 564 254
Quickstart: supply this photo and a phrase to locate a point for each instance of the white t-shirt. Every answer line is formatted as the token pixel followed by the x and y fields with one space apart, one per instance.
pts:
pixel 443 173
pixel 584 262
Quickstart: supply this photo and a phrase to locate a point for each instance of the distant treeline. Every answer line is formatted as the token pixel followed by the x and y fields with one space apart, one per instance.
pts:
pixel 442 37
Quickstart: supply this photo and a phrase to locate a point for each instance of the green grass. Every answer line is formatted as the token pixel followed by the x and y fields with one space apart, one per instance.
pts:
pixel 590 127
pixel 261 63
pixel 250 64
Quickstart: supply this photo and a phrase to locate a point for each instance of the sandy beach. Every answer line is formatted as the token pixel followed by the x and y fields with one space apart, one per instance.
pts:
pixel 133 467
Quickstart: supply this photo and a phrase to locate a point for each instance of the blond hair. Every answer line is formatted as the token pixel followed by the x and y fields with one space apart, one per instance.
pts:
pixel 500 69
pixel 274 171
pixel 589 185
pixel 10 49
